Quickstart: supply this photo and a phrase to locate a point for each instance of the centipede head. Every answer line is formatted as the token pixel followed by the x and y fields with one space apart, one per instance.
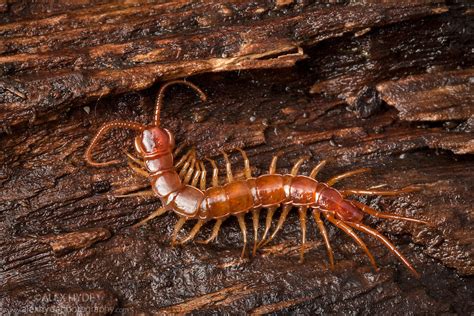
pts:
pixel 154 140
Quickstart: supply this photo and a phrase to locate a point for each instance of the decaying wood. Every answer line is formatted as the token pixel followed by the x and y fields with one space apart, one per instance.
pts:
pixel 82 62
pixel 441 96
pixel 382 86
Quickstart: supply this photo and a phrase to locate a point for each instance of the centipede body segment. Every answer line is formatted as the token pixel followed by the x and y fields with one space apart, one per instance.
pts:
pixel 182 188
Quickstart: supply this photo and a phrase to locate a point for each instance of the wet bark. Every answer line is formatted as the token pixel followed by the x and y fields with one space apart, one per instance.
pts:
pixel 382 86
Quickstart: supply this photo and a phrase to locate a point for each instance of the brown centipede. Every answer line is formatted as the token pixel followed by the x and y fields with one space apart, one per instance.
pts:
pixel 176 185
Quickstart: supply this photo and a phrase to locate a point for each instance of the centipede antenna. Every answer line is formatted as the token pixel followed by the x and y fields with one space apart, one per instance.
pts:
pixel 104 129
pixel 161 95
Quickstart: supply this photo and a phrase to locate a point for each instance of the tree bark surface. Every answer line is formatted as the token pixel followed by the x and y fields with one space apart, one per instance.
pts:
pixel 382 86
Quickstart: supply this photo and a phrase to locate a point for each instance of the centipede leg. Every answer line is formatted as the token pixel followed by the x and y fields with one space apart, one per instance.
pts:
pixel 297 166
pixel 354 236
pixel 178 150
pixel 176 230
pixel 268 223
pixel 184 158
pixel 339 177
pixel 184 169
pixel 134 159
pixel 202 182
pixel 255 219
pixel 190 172
pixel 243 228
pixel 408 189
pixel 273 165
pixel 302 214
pixel 193 232
pixel 228 167
pixel 187 164
pixel 215 173
pixel 367 209
pixel 215 232
pixel 158 212
pixel 138 170
pixel 196 174
pixel 324 233
pixel 247 170
pixel 284 213
pixel 386 242
pixel 317 168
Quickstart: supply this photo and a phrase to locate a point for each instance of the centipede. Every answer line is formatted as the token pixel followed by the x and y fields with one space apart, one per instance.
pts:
pixel 181 186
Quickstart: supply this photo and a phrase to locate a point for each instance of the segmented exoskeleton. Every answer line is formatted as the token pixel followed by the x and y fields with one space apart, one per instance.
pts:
pixel 176 186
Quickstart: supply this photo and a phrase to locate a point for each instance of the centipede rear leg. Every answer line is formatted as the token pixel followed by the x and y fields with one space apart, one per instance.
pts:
pixel 407 189
pixel 342 226
pixel 367 209
pixel 365 229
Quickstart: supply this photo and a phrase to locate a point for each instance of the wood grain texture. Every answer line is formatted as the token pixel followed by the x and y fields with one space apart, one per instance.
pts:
pixel 441 96
pixel 355 96
pixel 92 53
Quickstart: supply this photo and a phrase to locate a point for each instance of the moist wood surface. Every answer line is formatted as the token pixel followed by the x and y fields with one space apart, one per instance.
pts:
pixel 379 86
